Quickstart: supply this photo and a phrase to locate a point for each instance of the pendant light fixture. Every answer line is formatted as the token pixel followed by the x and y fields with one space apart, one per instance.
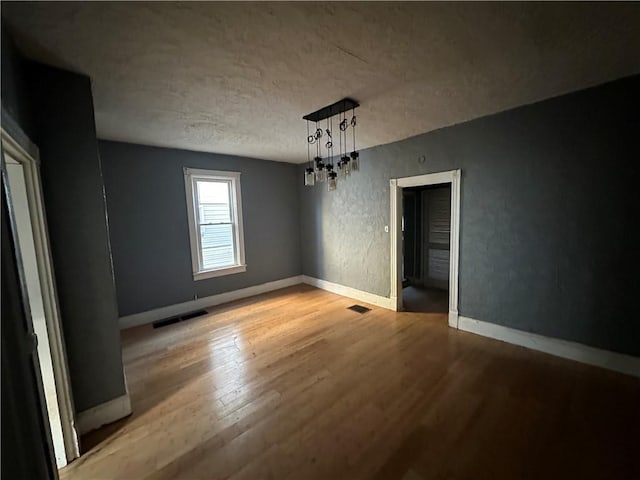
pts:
pixel 345 169
pixel 355 156
pixel 332 181
pixel 332 176
pixel 319 170
pixel 309 173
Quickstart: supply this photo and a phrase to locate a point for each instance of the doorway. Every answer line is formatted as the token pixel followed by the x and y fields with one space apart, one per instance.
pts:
pixel 426 232
pixel 425 226
pixel 27 212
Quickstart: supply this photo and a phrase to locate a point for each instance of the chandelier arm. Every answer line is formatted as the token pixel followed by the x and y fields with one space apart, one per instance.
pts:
pixel 317 142
pixel 308 145
pixel 340 133
pixel 353 123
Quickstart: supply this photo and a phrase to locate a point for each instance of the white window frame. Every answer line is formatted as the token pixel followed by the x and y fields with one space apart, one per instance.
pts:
pixel 191 175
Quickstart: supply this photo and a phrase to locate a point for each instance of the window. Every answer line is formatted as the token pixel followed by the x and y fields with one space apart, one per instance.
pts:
pixel 214 209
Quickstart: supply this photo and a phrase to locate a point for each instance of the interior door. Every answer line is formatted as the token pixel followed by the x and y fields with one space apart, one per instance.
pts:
pixel 27 450
pixel 22 214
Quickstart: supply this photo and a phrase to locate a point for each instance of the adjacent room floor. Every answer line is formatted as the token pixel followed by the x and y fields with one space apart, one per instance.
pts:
pixel 425 299
pixel 292 385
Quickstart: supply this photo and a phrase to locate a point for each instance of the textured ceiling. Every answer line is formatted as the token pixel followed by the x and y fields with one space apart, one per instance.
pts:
pixel 236 78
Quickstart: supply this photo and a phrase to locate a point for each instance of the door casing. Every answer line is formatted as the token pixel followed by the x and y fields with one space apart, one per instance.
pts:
pixel 396 185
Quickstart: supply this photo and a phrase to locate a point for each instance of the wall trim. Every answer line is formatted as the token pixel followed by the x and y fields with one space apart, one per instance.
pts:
pixel 617 362
pixel 354 293
pixel 103 414
pixel 454 177
pixel 453 319
pixel 150 316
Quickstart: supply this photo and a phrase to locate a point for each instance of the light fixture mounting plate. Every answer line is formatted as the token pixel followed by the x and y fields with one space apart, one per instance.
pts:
pixel 340 106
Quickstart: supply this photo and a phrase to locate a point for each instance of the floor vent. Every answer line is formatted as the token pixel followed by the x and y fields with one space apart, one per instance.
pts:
pixel 172 320
pixel 359 308
pixel 166 322
pixel 190 315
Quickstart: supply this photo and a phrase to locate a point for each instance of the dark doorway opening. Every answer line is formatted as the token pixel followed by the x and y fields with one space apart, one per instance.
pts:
pixel 426 233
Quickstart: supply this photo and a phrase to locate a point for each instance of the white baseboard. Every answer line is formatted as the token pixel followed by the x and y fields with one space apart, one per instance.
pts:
pixel 454 319
pixel 561 348
pixel 354 293
pixel 150 316
pixel 103 414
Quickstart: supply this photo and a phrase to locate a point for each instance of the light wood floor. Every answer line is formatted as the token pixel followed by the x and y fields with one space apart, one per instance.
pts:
pixel 292 385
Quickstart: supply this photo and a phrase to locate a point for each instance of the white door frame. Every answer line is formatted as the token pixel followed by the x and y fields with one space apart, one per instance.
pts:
pixel 31 167
pixel 397 184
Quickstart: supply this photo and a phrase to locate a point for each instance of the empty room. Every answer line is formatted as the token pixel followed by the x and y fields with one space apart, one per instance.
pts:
pixel 320 240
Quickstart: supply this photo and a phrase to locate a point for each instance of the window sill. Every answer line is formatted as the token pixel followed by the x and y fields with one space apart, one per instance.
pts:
pixel 220 272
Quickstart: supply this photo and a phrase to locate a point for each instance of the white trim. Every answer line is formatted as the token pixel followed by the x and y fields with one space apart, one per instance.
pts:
pixel 235 192
pixel 561 348
pixel 454 319
pixel 31 164
pixel 354 293
pixel 426 179
pixel 216 174
pixel 396 246
pixel 150 316
pixel 454 255
pixel 396 185
pixel 107 412
pixel 219 272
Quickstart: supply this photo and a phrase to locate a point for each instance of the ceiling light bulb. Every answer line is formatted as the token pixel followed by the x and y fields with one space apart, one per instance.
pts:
pixel 309 177
pixel 332 183
pixel 355 161
pixel 321 173
pixel 345 169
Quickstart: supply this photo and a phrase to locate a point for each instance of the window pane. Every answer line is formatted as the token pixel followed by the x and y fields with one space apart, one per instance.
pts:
pixel 213 201
pixel 214 230
pixel 217 246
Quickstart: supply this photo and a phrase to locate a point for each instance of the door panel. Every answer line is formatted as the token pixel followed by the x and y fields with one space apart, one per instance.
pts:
pixel 27 451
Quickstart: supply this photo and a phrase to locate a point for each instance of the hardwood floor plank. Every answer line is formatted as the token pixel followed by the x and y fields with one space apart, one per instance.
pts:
pixel 292 385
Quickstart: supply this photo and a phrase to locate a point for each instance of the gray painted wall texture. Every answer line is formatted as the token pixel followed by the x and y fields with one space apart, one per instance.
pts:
pixel 76 215
pixel 147 209
pixel 548 212
pixel 55 109
pixel 16 100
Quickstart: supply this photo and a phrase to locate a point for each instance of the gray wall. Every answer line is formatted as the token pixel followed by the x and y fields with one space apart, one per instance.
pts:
pixel 76 215
pixel 16 100
pixel 549 240
pixel 147 209
pixel 55 108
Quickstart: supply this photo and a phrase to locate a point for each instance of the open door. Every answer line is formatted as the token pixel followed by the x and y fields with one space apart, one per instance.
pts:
pixel 27 450
pixel 22 194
